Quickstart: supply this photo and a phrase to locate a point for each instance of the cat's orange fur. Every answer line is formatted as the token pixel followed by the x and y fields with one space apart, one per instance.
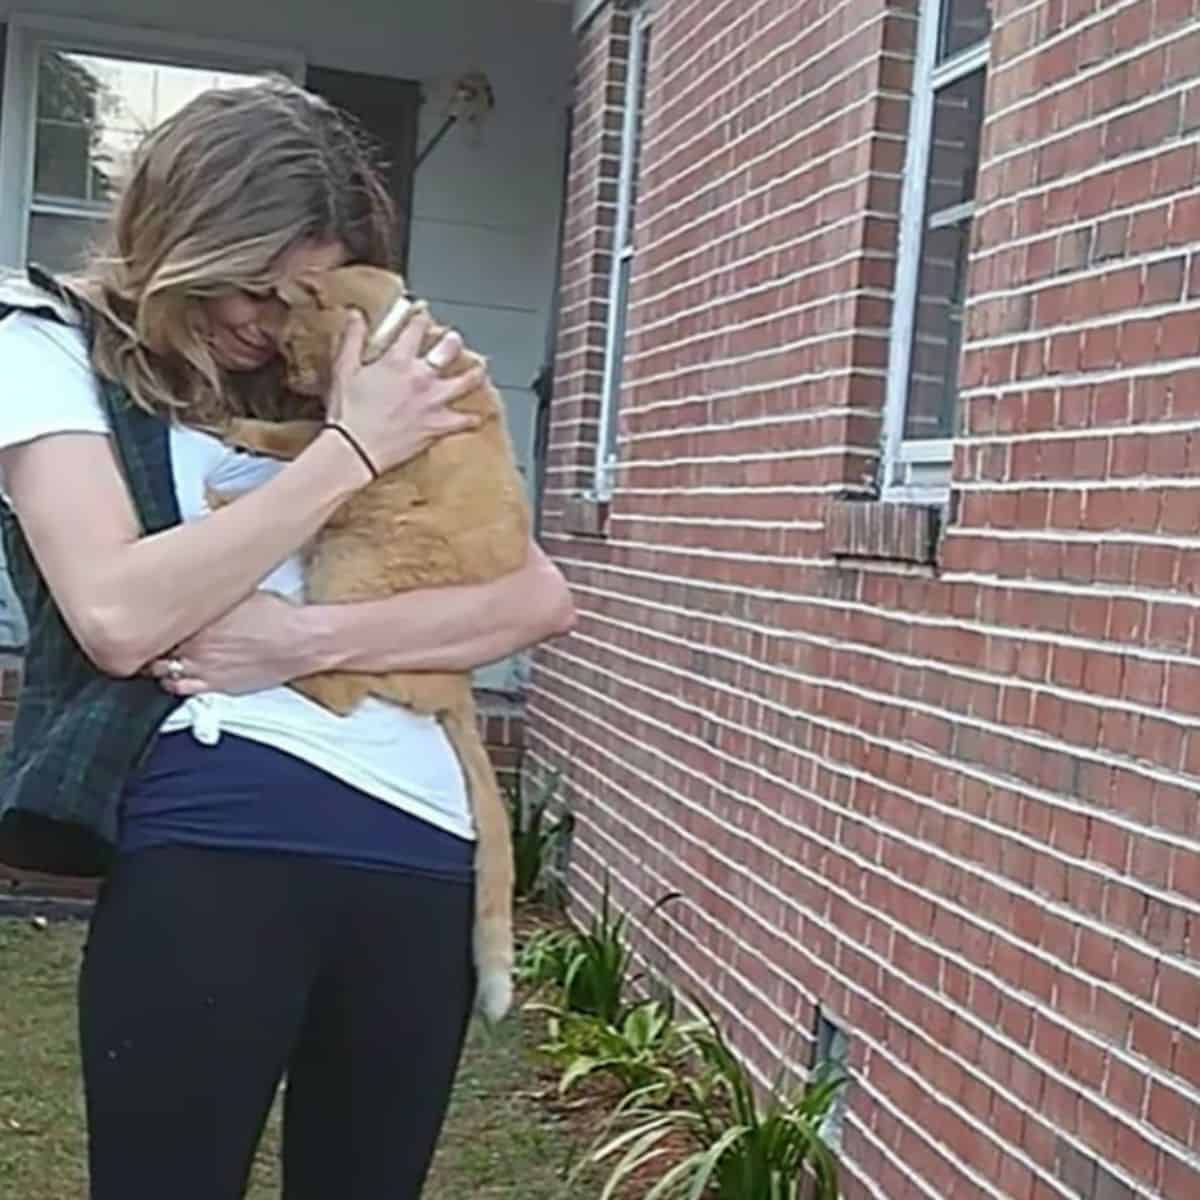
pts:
pixel 455 514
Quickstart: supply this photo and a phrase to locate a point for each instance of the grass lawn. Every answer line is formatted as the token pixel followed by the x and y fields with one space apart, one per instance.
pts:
pixel 499 1141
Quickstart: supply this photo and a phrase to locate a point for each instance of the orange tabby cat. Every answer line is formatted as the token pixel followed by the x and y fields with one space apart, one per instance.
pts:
pixel 454 514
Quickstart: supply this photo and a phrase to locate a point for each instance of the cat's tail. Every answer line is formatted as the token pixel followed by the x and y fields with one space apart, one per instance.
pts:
pixel 493 867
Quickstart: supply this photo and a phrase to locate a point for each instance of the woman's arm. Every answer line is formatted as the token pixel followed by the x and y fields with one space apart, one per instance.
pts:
pixel 265 640
pixel 443 629
pixel 129 598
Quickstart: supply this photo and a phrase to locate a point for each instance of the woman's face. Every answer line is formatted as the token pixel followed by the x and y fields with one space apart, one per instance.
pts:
pixel 241 328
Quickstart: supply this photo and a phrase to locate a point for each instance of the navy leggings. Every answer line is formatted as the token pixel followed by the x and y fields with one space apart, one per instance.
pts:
pixel 210 974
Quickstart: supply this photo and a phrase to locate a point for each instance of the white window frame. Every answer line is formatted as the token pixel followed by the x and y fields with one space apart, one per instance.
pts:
pixel 918 470
pixel 624 246
pixel 30 33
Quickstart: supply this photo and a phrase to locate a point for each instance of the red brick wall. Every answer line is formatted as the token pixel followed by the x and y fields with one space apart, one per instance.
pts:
pixel 586 257
pixel 502 723
pixel 954 806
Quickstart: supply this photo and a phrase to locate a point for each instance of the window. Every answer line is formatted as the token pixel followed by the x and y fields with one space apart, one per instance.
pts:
pixel 90 112
pixel 623 249
pixel 77 99
pixel 937 208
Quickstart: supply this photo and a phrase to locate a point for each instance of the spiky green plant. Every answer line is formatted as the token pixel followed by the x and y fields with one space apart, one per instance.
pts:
pixel 591 970
pixel 741 1148
pixel 600 973
pixel 645 1051
pixel 536 836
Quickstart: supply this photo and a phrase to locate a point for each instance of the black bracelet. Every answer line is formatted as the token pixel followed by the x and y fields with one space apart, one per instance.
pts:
pixel 356 445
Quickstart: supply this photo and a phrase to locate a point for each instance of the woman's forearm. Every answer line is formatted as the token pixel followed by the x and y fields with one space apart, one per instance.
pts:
pixel 441 629
pixel 129 598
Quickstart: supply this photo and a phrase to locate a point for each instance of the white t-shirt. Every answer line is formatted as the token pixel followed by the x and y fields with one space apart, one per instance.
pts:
pixel 381 749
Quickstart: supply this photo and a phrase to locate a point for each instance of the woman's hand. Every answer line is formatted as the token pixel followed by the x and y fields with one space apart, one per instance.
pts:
pixel 253 646
pixel 397 405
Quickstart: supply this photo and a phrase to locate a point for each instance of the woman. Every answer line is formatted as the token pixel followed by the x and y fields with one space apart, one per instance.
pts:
pixel 287 893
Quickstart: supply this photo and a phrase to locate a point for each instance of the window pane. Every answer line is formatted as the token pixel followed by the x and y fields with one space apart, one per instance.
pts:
pixel 954 152
pixel 60 164
pixel 964 23
pixel 59 243
pixel 937 333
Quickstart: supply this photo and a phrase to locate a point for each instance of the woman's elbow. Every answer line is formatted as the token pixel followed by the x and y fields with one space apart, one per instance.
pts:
pixel 555 609
pixel 110 640
pixel 560 618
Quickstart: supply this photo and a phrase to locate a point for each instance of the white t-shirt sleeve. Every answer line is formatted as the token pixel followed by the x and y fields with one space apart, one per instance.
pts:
pixel 49 386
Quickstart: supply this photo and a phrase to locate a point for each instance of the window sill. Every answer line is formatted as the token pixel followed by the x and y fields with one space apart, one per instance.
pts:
pixel 586 516
pixel 883 530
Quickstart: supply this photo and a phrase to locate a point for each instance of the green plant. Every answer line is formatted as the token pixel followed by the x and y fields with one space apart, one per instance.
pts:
pixel 740 1148
pixel 535 837
pixel 598 975
pixel 591 969
pixel 544 960
pixel 644 1052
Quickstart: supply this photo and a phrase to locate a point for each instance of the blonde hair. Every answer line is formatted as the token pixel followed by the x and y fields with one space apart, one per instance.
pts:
pixel 217 194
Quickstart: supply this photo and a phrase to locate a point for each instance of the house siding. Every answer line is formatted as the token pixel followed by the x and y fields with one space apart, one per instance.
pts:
pixel 941 783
